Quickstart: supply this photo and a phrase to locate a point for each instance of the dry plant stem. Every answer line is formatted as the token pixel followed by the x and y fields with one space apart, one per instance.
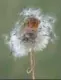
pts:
pixel 32 64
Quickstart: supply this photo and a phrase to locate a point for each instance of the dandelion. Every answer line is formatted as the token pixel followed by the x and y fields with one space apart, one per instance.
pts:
pixel 31 35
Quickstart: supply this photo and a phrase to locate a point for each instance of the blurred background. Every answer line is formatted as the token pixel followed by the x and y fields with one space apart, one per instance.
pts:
pixel 48 62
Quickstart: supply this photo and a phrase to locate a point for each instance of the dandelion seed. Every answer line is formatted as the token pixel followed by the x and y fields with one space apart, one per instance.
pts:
pixel 34 32
pixel 36 27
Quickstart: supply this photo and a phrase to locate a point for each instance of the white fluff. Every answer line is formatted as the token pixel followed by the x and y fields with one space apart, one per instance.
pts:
pixel 45 28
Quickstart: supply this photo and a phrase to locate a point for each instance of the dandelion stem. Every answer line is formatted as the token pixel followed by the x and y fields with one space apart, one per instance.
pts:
pixel 32 64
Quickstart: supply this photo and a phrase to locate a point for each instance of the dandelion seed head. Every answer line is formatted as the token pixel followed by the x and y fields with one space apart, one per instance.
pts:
pixel 45 33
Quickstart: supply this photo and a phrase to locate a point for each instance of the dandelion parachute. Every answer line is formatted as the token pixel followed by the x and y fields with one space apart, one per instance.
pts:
pixel 35 31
